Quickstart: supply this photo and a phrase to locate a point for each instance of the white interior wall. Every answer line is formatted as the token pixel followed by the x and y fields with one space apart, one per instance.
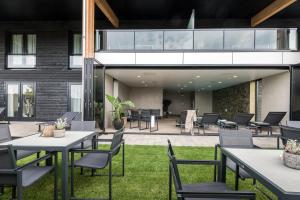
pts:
pixel 276 94
pixel 179 102
pixel 203 102
pixel 109 84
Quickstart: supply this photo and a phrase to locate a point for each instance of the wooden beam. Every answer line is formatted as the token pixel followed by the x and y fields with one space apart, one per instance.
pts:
pixel 108 12
pixel 88 35
pixel 273 8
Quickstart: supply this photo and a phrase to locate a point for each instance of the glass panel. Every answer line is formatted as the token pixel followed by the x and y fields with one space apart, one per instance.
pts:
pixel 98 41
pixel 178 40
pixel 31 44
pixel 120 40
pixel 21 61
pixel 77 44
pixel 293 39
pixel 208 39
pixel 239 39
pixel 266 39
pixel 17 44
pixel 98 97
pixel 76 62
pixel 12 99
pixel 76 98
pixel 149 40
pixel 28 100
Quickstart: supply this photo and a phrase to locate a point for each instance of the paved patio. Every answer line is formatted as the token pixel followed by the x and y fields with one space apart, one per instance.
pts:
pixel 21 129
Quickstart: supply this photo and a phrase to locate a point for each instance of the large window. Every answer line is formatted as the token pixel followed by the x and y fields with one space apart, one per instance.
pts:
pixel 76 60
pixel 22 51
pixel 75 97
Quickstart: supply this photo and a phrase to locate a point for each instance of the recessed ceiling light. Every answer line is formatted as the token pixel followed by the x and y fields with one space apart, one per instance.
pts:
pixel 185 86
pixel 235 76
pixel 209 86
pixel 191 82
pixel 143 82
pixel 197 76
pixel 220 82
pixel 138 76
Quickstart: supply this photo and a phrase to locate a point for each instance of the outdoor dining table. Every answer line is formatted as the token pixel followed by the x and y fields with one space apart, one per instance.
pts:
pixel 63 145
pixel 266 166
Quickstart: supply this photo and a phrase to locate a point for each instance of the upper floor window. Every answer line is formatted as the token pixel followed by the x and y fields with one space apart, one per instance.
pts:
pixel 76 60
pixel 22 51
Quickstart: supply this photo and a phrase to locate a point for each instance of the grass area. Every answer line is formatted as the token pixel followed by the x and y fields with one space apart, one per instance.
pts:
pixel 146 176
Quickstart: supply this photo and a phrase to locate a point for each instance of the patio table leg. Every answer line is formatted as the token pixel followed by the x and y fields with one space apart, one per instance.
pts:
pixel 64 175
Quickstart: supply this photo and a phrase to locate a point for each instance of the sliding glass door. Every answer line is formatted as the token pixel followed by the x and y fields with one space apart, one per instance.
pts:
pixel 20 100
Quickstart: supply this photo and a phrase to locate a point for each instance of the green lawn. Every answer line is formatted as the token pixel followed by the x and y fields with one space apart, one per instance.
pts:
pixel 146 176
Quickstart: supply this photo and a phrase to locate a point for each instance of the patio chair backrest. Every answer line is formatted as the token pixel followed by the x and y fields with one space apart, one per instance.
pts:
pixel 236 138
pixel 134 114
pixel 70 116
pixel 183 116
pixel 83 125
pixel 5 135
pixel 173 167
pixel 210 118
pixel 243 118
pixel 145 113
pixel 289 133
pixel 155 112
pixel 7 157
pixel 116 140
pixel 274 118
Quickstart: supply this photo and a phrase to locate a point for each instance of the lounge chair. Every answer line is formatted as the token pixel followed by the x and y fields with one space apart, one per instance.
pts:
pixel 20 177
pixel 288 132
pixel 2 116
pixel 181 121
pixel 235 139
pixel 100 159
pixel 215 190
pixel 207 120
pixel 240 119
pixel 272 119
pixel 134 117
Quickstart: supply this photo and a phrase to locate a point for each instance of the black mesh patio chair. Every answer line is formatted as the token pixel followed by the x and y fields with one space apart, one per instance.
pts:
pixel 240 119
pixel 156 113
pixel 100 159
pixel 181 121
pixel 272 119
pixel 146 117
pixel 21 177
pixel 69 116
pixel 235 139
pixel 207 120
pixel 2 116
pixel 288 132
pixel 5 136
pixel 134 117
pixel 215 190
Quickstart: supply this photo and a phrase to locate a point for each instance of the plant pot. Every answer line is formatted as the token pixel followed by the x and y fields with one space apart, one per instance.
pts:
pixel 59 133
pixel 118 124
pixel 291 160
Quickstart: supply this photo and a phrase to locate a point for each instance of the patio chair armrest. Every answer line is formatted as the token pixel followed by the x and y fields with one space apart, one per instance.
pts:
pixel 38 160
pixel 199 162
pixel 88 151
pixel 102 140
pixel 225 194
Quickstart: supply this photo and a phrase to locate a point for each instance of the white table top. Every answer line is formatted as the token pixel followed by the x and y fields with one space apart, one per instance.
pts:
pixel 37 141
pixel 269 165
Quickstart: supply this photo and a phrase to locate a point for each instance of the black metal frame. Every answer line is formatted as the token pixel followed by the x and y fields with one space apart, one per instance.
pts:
pixel 18 172
pixel 111 154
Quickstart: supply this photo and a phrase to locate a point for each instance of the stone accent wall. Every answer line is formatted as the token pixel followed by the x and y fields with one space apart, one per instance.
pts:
pixel 231 100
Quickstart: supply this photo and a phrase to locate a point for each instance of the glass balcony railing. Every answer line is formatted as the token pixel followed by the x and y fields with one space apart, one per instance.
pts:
pixel 21 61
pixel 198 40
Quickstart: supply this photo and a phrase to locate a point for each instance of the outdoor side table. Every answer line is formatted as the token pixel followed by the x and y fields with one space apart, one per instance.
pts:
pixel 266 166
pixel 63 145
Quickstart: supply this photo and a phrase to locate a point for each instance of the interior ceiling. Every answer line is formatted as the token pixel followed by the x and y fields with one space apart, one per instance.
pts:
pixel 190 80
pixel 141 9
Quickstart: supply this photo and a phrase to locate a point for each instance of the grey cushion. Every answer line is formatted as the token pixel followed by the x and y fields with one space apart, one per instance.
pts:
pixel 31 174
pixel 93 160
pixel 205 187
pixel 231 165
pixel 24 153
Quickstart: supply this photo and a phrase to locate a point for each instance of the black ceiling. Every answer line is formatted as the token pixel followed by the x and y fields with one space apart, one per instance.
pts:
pixel 140 9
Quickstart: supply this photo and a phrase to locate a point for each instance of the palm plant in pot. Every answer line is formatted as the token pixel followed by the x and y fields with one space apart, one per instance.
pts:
pixel 118 110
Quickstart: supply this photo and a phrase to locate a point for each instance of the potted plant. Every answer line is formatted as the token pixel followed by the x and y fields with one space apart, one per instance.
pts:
pixel 60 126
pixel 291 154
pixel 118 110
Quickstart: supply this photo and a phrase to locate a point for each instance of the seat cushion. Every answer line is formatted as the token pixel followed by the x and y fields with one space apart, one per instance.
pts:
pixel 33 173
pixel 24 153
pixel 205 187
pixel 93 160
pixel 231 165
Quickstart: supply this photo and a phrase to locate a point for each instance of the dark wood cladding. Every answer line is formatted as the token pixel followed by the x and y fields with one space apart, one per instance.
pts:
pixel 52 74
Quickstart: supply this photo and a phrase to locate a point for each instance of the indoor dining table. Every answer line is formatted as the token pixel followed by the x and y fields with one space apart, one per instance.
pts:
pixel 63 145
